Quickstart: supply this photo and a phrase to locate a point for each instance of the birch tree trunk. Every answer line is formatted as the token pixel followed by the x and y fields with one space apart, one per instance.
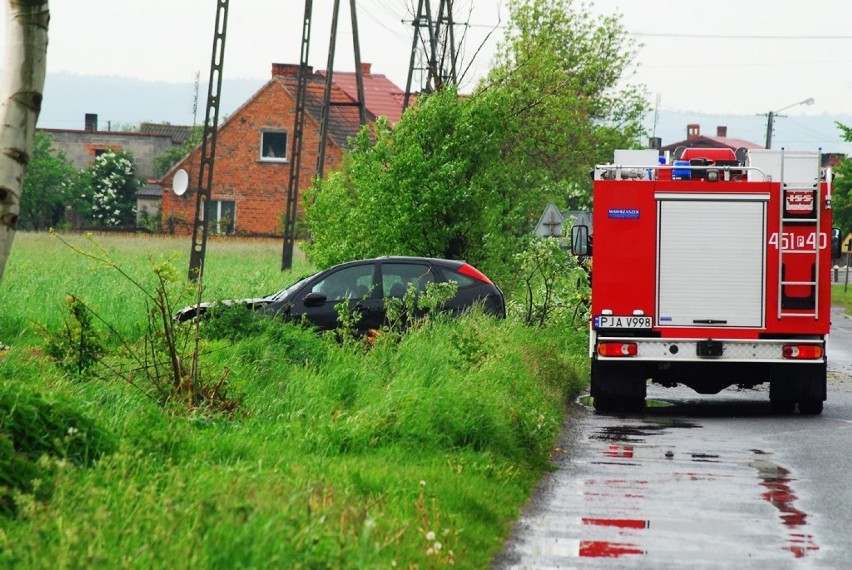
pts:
pixel 24 69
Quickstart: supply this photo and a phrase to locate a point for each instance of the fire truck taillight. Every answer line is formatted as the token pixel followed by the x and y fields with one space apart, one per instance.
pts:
pixel 802 351
pixel 617 349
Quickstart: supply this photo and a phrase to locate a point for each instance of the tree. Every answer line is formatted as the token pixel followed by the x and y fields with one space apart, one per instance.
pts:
pixel 842 195
pixel 171 156
pixel 48 186
pixel 23 81
pixel 466 177
pixel 110 198
pixel 564 69
pixel 417 190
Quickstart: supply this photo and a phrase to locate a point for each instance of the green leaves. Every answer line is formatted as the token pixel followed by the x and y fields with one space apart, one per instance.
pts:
pixel 466 177
pixel 112 198
pixel 842 196
pixel 48 186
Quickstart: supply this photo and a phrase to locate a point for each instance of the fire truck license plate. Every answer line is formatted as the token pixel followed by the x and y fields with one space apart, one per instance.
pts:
pixel 614 322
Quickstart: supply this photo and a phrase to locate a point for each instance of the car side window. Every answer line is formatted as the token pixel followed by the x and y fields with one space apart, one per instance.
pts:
pixel 353 282
pixel 461 280
pixel 397 276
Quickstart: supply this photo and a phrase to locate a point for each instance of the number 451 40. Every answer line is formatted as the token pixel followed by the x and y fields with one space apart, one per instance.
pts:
pixel 791 241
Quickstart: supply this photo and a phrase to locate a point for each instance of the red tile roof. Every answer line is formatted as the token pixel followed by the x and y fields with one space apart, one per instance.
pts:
pixel 703 140
pixel 734 143
pixel 383 98
pixel 344 119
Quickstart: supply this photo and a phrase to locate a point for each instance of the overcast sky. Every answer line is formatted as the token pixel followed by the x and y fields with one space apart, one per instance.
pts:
pixel 719 56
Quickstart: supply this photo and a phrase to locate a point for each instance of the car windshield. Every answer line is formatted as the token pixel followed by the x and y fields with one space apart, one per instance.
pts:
pixel 283 292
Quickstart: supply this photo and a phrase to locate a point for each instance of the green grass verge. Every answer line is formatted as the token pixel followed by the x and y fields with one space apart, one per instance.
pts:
pixel 842 295
pixel 418 451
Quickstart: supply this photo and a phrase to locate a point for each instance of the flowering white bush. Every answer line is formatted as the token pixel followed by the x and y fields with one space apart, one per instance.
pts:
pixel 112 201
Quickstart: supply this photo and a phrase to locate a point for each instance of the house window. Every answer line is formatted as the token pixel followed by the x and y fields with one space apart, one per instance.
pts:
pixel 221 215
pixel 273 145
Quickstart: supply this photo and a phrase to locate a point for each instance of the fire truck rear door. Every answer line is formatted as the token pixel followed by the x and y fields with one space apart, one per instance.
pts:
pixel 711 259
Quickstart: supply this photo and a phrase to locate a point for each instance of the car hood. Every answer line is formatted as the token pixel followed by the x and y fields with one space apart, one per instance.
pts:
pixel 192 311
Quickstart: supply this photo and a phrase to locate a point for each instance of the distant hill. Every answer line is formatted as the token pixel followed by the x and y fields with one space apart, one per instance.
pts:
pixel 119 102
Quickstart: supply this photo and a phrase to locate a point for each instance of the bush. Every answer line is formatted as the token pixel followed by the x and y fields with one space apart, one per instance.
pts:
pixel 36 438
pixel 553 288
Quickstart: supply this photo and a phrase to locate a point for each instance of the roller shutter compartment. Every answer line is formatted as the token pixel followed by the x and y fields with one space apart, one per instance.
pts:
pixel 711 252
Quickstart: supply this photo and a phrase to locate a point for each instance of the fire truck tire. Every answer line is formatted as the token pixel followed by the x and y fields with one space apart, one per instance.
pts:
pixel 782 406
pixel 810 407
pixel 617 388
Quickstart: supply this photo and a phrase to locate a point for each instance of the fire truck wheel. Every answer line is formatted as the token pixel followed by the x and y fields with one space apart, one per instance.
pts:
pixel 617 388
pixel 605 404
pixel 782 406
pixel 810 407
pixel 618 404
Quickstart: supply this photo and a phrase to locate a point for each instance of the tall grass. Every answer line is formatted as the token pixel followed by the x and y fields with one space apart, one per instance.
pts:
pixel 42 270
pixel 417 451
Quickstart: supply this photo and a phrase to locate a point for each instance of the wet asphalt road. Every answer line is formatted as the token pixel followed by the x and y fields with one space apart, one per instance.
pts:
pixel 707 482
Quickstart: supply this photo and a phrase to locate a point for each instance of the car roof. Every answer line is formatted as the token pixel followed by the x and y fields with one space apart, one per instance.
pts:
pixel 408 259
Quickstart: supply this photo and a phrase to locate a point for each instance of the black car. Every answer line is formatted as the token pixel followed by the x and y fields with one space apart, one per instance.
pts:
pixel 366 284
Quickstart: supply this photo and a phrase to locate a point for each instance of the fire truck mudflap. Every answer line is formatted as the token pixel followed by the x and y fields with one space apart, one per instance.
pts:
pixel 710 271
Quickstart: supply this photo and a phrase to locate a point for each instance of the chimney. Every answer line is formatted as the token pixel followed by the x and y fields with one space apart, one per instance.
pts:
pixel 655 143
pixel 721 131
pixel 693 131
pixel 91 122
pixel 365 68
pixel 288 70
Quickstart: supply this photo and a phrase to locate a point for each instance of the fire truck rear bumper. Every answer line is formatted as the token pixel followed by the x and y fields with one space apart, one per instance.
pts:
pixel 633 349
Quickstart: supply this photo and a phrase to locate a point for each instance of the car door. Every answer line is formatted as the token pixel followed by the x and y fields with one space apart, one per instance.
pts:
pixel 397 275
pixel 352 283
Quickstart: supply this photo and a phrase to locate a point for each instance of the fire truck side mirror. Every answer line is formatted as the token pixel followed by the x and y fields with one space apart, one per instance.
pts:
pixel 580 242
pixel 836 243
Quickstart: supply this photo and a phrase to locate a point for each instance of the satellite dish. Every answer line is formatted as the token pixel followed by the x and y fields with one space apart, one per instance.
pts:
pixel 180 182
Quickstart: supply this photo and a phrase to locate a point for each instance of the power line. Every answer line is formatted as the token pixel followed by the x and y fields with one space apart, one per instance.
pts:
pixel 736 37
pixel 756 64
pixel 389 10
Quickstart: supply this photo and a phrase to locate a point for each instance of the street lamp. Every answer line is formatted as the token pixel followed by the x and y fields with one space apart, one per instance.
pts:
pixel 772 114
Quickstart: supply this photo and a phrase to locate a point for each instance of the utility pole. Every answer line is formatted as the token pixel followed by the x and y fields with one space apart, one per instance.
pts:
pixel 329 81
pixel 770 125
pixel 770 118
pixel 440 68
pixel 298 128
pixel 208 145
pixel 296 154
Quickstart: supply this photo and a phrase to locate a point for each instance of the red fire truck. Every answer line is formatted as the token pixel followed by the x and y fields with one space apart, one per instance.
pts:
pixel 710 270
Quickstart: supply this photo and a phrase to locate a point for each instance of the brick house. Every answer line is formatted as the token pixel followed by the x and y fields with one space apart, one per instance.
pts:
pixel 253 147
pixel 694 138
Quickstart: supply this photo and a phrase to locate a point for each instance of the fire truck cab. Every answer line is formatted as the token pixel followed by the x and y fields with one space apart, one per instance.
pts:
pixel 710 270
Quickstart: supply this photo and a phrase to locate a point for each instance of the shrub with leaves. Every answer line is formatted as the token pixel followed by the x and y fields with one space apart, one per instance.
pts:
pixel 110 197
pixel 78 346
pixel 554 287
pixel 404 312
pixel 164 362
pixel 48 187
pixel 36 438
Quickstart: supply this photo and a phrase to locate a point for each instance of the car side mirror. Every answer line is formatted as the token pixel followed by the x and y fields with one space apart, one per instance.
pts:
pixel 314 299
pixel 836 244
pixel 580 242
